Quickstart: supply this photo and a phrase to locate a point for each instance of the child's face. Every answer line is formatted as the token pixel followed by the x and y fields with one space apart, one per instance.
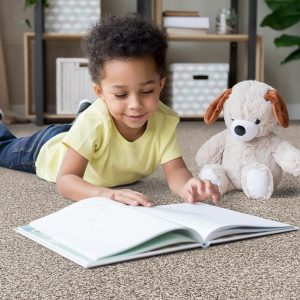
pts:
pixel 130 89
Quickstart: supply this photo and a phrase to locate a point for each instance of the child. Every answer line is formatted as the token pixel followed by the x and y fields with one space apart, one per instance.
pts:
pixel 124 135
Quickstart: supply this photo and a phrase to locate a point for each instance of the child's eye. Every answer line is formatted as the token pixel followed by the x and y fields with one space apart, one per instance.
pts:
pixel 121 95
pixel 147 92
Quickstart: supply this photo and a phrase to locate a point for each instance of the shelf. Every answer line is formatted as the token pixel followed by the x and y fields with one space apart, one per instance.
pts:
pixel 204 37
pixel 57 36
pixel 210 37
pixel 238 38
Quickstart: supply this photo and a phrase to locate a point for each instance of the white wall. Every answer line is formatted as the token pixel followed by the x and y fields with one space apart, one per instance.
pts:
pixel 285 78
pixel 12 27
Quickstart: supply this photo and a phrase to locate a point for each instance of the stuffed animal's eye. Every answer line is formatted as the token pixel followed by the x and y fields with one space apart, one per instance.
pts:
pixel 257 121
pixel 232 119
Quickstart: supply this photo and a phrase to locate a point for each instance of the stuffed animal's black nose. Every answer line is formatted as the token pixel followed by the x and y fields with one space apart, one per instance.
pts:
pixel 239 130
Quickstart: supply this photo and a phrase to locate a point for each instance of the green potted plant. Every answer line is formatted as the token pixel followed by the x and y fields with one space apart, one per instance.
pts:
pixel 285 13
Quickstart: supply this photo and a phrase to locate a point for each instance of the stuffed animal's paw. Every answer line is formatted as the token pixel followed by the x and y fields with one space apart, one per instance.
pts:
pixel 216 174
pixel 257 181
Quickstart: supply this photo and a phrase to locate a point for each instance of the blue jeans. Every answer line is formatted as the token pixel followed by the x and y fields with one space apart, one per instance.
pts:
pixel 21 153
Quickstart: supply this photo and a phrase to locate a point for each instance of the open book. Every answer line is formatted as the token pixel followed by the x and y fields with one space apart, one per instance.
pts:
pixel 99 231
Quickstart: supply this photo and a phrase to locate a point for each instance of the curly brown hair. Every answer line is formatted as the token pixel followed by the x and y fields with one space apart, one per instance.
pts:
pixel 128 36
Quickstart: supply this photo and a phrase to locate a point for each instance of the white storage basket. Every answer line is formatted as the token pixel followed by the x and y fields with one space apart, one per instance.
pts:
pixel 71 16
pixel 73 83
pixel 192 87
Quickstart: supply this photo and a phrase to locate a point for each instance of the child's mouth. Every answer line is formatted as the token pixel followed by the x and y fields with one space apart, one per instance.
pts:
pixel 136 117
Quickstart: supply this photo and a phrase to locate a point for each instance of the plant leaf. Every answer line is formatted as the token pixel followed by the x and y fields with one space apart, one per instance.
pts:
pixel 278 4
pixel 45 3
pixel 293 56
pixel 281 19
pixel 287 41
pixel 29 3
pixel 27 22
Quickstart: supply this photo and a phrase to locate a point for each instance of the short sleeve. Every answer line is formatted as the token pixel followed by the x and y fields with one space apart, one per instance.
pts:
pixel 85 136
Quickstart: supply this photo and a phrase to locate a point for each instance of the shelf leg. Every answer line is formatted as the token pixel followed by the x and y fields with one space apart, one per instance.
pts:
pixel 252 38
pixel 39 63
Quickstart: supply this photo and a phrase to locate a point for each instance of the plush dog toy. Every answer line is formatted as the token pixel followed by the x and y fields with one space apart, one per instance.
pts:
pixel 248 155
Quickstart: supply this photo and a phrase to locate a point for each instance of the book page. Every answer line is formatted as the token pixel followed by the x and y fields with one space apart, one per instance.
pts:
pixel 98 227
pixel 209 220
pixel 164 240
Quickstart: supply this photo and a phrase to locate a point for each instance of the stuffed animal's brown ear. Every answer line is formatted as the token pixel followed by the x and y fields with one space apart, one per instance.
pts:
pixel 279 108
pixel 216 107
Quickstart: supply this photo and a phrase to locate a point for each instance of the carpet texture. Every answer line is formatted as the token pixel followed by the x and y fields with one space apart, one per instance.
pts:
pixel 261 268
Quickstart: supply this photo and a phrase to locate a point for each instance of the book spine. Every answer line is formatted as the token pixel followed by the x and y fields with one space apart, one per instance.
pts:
pixel 180 13
pixel 185 31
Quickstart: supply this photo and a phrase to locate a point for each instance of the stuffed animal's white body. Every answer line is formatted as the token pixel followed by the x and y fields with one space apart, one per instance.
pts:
pixel 248 155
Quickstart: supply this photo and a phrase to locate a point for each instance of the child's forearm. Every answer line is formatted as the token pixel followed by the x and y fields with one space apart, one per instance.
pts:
pixel 75 188
pixel 182 183
pixel 178 179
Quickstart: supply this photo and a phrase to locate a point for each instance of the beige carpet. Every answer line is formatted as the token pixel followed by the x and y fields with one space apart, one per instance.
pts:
pixel 261 268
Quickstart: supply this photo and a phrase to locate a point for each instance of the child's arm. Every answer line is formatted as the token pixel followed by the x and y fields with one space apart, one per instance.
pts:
pixel 70 183
pixel 181 182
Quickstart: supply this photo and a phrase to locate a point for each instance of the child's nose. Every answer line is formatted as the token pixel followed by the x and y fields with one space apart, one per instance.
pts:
pixel 134 102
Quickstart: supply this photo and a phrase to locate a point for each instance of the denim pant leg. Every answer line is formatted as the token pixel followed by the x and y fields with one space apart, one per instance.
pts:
pixel 5 134
pixel 21 153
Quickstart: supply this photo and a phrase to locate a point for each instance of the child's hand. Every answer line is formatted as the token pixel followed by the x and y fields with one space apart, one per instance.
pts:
pixel 199 190
pixel 129 197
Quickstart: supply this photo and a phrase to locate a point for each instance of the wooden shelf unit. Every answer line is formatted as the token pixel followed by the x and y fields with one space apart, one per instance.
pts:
pixel 29 38
pixel 151 8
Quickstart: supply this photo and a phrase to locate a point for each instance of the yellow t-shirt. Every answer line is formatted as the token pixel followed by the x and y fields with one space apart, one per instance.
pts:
pixel 112 159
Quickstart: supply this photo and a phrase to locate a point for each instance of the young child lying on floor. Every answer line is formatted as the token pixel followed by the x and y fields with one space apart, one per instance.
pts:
pixel 124 135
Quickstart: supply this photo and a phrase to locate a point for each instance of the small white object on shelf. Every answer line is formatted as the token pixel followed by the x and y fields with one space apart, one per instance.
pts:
pixel 73 83
pixel 226 21
pixel 186 22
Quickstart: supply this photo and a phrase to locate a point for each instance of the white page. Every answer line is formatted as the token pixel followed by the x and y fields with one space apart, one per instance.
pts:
pixel 205 218
pixel 98 227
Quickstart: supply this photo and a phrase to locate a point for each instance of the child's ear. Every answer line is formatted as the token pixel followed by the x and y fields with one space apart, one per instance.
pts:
pixel 97 89
pixel 162 83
